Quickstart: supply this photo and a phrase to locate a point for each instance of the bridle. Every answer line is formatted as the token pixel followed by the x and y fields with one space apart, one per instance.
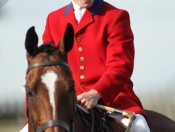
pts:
pixel 52 123
pixel 47 63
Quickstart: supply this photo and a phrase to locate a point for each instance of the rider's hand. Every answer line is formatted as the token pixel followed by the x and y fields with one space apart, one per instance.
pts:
pixel 88 99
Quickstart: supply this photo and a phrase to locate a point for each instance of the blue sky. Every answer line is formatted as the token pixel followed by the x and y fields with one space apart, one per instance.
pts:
pixel 152 22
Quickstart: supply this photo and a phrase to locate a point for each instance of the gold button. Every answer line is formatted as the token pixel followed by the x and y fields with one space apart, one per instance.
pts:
pixel 82 58
pixel 78 40
pixel 80 49
pixel 82 77
pixel 81 67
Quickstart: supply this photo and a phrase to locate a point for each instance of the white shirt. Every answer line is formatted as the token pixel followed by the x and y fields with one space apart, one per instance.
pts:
pixel 78 11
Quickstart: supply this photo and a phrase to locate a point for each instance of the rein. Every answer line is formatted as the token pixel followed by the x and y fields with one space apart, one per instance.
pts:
pixel 52 123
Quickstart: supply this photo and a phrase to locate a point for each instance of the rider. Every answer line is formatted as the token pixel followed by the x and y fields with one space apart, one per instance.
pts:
pixel 102 57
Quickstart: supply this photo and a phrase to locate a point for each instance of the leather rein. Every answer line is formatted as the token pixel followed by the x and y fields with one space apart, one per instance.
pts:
pixel 52 123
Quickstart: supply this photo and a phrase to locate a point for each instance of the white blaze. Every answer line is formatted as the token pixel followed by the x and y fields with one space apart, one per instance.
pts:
pixel 49 79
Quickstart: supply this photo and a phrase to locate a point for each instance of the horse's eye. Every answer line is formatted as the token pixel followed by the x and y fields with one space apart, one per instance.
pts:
pixel 29 93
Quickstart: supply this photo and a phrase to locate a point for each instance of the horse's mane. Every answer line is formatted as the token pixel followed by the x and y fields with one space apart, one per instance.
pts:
pixel 47 48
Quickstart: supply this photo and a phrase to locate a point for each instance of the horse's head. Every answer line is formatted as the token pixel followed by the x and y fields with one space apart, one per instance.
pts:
pixel 49 84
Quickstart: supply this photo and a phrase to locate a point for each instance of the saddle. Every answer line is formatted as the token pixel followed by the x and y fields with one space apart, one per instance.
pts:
pixel 99 121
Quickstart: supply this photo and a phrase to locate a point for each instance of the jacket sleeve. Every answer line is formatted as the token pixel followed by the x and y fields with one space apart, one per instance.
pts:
pixel 119 58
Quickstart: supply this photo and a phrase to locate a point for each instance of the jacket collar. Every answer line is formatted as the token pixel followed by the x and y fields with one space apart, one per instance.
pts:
pixel 94 9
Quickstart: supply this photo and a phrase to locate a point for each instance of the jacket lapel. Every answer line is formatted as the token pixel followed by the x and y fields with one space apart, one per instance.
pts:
pixel 69 16
pixel 85 20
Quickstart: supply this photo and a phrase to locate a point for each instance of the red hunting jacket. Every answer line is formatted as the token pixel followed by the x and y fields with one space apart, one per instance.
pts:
pixel 102 56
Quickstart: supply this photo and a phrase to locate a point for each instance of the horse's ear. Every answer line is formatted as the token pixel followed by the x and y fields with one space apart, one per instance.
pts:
pixel 66 43
pixel 31 41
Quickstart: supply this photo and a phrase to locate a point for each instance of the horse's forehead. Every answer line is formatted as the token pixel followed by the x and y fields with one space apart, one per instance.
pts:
pixel 52 76
pixel 40 57
pixel 49 78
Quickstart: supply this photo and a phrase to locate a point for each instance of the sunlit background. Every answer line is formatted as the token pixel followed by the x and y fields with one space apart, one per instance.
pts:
pixel 152 22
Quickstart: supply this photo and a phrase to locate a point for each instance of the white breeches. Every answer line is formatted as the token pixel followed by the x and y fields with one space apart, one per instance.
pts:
pixel 139 124
pixel 25 128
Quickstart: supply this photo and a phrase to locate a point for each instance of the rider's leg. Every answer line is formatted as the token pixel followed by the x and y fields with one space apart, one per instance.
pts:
pixel 24 128
pixel 139 124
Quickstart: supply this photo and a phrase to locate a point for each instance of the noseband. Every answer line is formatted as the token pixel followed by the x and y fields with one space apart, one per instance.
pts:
pixel 52 123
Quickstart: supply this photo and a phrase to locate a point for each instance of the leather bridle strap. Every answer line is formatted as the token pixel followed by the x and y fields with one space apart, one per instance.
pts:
pixel 54 123
pixel 50 123
pixel 74 110
pixel 31 116
pixel 47 63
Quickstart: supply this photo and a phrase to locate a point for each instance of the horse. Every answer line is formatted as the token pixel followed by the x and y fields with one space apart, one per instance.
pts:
pixel 50 91
pixel 159 123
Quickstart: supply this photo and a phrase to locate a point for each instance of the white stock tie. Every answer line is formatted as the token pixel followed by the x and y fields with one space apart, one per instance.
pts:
pixel 78 14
